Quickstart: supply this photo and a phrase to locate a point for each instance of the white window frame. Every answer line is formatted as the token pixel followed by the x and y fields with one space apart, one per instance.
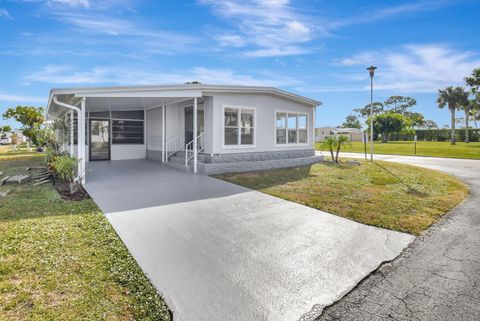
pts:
pixel 287 144
pixel 239 137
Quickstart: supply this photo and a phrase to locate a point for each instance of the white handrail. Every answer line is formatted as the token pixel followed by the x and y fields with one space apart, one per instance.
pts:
pixel 172 146
pixel 189 147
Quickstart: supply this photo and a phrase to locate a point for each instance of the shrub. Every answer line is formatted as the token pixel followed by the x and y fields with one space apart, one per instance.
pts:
pixel 66 167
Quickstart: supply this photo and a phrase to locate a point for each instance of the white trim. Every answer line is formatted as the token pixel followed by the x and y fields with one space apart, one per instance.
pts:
pixel 287 144
pixel 254 145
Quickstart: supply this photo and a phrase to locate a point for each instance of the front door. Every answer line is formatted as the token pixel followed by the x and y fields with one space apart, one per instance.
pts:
pixel 189 122
pixel 99 139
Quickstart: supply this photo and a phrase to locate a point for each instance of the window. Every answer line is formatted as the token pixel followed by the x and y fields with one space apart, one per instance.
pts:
pixel 291 128
pixel 281 126
pixel 239 126
pixel 128 127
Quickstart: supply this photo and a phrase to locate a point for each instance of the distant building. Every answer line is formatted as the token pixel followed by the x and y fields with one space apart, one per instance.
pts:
pixel 354 134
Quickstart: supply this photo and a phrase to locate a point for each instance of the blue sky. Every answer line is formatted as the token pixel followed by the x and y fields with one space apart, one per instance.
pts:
pixel 316 48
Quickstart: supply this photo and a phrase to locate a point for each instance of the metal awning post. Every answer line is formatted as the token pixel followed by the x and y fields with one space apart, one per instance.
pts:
pixel 195 136
pixel 163 134
pixel 82 140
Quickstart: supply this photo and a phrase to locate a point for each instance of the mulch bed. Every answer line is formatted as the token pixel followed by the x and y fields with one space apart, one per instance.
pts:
pixel 63 189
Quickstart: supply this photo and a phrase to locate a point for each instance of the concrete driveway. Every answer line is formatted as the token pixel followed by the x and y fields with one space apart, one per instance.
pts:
pixel 217 251
pixel 437 277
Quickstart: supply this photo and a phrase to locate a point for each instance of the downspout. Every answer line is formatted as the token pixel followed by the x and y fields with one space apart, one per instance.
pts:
pixel 79 144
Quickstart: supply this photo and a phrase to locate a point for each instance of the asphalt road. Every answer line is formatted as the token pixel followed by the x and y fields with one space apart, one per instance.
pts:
pixel 438 276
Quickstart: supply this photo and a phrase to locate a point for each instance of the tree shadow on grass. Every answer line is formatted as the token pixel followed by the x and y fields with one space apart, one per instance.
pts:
pixel 410 189
pixel 268 178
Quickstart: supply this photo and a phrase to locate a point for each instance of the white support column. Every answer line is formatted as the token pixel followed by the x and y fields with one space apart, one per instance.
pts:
pixel 314 120
pixel 195 135
pixel 164 158
pixel 81 142
pixel 71 132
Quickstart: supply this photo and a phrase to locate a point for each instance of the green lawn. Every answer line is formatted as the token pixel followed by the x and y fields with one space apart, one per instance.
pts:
pixel 61 260
pixel 438 149
pixel 394 196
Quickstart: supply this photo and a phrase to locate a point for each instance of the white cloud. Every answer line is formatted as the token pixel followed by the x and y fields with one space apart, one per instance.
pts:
pixel 275 52
pixel 72 3
pixel 5 14
pixel 267 26
pixel 68 75
pixel 371 14
pixel 21 98
pixel 413 68
pixel 231 40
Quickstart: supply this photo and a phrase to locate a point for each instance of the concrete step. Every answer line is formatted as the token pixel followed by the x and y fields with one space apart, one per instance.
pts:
pixel 180 166
pixel 177 159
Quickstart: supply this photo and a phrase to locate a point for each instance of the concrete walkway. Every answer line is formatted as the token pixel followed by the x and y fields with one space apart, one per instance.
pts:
pixel 217 251
pixel 438 277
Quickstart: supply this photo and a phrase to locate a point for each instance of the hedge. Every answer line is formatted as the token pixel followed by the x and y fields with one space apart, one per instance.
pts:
pixel 438 135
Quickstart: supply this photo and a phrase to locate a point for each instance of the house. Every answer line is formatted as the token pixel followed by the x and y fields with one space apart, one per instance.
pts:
pixel 354 134
pixel 210 129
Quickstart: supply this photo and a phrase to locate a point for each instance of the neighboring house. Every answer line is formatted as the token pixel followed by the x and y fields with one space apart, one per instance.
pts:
pixel 237 128
pixel 20 137
pixel 354 134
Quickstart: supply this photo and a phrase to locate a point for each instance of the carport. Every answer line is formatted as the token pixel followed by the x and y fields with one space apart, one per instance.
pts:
pixel 217 251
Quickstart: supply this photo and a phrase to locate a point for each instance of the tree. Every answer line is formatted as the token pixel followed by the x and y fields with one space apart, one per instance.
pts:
pixel 335 143
pixel 417 120
pixel 429 124
pixel 30 117
pixel 5 128
pixel 365 111
pixel 475 111
pixel 452 98
pixel 474 82
pixel 399 104
pixel 388 123
pixel 467 108
pixel 472 108
pixel 351 121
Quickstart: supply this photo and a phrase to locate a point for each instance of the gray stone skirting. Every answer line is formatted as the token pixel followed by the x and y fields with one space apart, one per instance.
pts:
pixel 236 167
pixel 242 162
pixel 256 156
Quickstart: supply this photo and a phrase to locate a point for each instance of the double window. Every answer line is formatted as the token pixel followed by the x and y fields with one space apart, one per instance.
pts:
pixel 291 128
pixel 239 123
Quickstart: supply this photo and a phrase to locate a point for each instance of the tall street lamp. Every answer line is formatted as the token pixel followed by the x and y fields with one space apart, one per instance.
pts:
pixel 371 70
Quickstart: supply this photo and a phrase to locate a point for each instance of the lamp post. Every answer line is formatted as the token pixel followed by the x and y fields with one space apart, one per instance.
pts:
pixel 371 70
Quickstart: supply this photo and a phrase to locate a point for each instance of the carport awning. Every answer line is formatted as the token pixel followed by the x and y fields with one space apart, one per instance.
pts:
pixel 121 100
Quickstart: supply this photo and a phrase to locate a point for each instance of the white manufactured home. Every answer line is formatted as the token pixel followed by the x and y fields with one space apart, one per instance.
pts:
pixel 206 128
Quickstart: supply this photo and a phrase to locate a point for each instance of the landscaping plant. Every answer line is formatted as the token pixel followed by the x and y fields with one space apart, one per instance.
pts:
pixel 334 144
pixel 65 167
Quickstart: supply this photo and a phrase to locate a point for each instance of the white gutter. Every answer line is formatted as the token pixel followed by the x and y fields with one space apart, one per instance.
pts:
pixel 79 144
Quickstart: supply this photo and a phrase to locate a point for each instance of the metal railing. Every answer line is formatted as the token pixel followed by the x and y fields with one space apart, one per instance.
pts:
pixel 172 146
pixel 189 147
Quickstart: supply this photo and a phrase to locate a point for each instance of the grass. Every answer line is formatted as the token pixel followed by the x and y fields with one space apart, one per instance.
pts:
pixel 436 149
pixel 61 260
pixel 394 196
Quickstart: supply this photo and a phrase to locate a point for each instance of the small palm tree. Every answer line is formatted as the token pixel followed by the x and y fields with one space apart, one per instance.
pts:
pixel 335 143
pixel 453 98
